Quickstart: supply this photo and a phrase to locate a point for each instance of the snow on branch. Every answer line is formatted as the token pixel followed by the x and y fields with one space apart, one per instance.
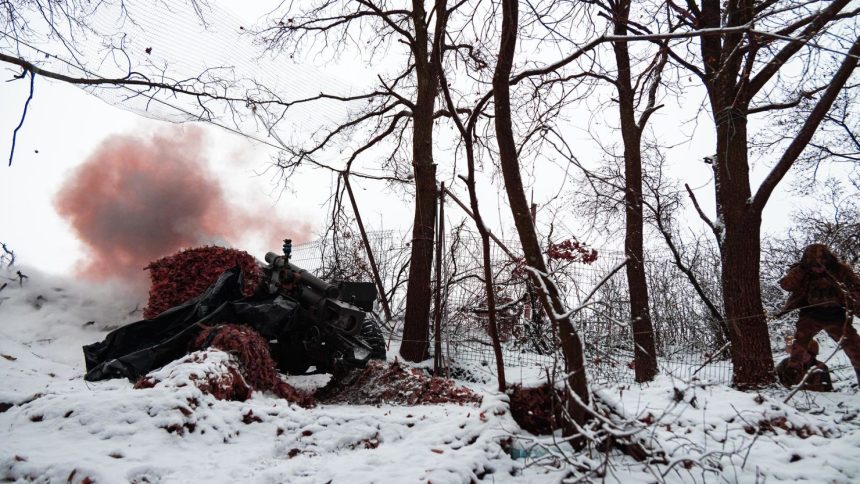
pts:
pixel 544 278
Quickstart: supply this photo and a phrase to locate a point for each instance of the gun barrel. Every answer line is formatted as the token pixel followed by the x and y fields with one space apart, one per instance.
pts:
pixel 314 282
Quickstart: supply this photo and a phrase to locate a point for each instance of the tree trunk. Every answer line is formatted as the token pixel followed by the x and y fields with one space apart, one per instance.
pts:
pixel 728 69
pixel 751 350
pixel 415 346
pixel 738 223
pixel 508 159
pixel 741 252
pixel 645 353
pixel 644 349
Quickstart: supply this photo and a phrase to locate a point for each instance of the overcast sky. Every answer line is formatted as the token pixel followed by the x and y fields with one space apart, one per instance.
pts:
pixel 65 125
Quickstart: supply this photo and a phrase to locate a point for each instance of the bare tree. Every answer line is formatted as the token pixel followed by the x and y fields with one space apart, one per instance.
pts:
pixel 403 102
pixel 631 132
pixel 467 133
pixel 689 258
pixel 634 91
pixel 737 69
pixel 833 151
pixel 509 161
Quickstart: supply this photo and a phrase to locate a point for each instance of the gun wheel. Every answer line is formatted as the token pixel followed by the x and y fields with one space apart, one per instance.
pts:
pixel 371 333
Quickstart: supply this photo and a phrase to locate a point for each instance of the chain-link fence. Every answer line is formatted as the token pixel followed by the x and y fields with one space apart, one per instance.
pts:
pixel 688 339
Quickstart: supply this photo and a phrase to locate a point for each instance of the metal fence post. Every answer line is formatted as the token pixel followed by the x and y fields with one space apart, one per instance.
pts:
pixel 438 364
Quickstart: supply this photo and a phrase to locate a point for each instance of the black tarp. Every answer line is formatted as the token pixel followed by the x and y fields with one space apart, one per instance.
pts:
pixel 138 348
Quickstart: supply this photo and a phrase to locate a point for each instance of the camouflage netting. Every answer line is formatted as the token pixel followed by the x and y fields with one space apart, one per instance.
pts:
pixel 192 45
pixel 257 366
pixel 247 366
pixel 382 382
pixel 228 362
pixel 186 274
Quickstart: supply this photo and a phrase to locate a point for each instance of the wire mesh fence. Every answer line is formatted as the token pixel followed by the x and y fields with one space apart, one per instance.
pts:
pixel 688 340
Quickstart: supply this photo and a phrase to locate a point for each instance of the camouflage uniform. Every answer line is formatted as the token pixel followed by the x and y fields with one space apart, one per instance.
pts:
pixel 823 288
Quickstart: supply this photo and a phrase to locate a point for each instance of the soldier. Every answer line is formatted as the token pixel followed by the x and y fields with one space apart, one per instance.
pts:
pixel 827 293
pixel 819 375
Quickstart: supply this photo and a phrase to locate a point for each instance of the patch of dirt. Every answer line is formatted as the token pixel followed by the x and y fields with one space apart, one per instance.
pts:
pixel 382 382
pixel 536 409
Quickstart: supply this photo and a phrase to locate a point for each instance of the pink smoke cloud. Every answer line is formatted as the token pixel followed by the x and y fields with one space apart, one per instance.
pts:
pixel 137 199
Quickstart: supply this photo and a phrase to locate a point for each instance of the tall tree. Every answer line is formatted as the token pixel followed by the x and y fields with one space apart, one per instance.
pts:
pixel 635 92
pixel 467 134
pixel 735 69
pixel 645 352
pixel 520 210
pixel 415 344
pixel 406 99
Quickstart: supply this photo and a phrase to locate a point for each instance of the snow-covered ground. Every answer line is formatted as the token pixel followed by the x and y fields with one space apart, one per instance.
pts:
pixel 55 427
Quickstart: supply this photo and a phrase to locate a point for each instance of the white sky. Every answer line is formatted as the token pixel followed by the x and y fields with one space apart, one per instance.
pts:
pixel 65 125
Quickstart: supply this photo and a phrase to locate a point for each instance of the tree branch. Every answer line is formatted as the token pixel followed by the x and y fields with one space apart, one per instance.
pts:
pixel 786 105
pixel 679 263
pixel 781 57
pixel 625 38
pixel 701 212
pixel 808 129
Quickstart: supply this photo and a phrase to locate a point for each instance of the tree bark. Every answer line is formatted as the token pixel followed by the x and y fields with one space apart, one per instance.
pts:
pixel 738 225
pixel 740 257
pixel 644 349
pixel 415 346
pixel 508 159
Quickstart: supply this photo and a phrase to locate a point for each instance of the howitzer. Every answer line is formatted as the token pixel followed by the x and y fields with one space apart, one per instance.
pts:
pixel 334 325
pixel 307 321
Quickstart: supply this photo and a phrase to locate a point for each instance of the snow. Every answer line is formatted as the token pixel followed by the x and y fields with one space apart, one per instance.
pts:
pixel 749 436
pixel 55 427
